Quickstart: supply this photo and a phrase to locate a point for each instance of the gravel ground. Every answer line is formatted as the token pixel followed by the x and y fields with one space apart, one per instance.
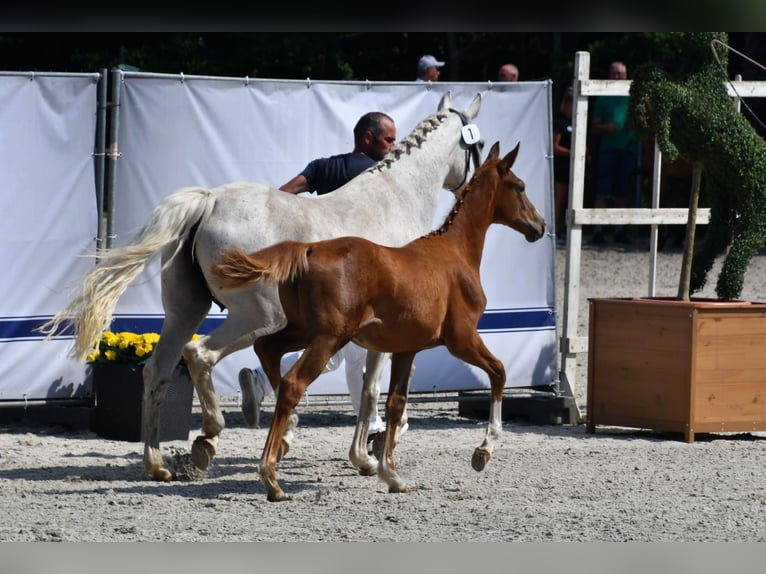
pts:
pixel 544 483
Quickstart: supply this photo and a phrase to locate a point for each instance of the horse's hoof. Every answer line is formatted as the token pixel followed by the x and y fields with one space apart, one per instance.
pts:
pixel 368 470
pixel 202 453
pixel 378 445
pixel 479 459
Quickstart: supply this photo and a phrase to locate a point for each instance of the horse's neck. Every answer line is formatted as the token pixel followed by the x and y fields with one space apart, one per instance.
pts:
pixel 420 171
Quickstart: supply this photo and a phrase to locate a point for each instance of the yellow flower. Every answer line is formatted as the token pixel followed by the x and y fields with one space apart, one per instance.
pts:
pixel 151 338
pixel 124 347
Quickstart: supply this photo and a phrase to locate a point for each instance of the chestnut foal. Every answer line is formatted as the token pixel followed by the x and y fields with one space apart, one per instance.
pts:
pixel 397 300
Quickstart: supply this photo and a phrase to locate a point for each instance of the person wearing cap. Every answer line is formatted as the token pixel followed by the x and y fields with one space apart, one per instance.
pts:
pixel 428 69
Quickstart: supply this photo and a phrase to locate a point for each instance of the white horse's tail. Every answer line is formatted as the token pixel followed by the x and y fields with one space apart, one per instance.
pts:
pixel 284 261
pixel 90 312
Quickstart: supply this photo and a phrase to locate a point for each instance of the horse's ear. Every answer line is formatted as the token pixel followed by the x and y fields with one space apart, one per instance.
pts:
pixel 510 158
pixel 494 151
pixel 473 109
pixel 446 101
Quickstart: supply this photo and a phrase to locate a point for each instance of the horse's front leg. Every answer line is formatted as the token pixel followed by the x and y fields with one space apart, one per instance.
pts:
pixel 401 371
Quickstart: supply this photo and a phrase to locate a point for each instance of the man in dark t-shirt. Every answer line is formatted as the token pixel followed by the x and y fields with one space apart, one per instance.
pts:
pixel 329 173
pixel 374 136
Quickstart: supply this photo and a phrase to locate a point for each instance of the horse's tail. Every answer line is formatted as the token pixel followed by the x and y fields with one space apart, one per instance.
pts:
pixel 278 263
pixel 90 311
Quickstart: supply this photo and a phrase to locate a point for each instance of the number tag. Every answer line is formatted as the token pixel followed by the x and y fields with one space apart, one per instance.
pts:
pixel 471 134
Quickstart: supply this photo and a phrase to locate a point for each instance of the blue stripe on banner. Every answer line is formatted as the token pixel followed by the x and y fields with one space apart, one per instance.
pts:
pixel 493 321
pixel 23 329
pixel 510 320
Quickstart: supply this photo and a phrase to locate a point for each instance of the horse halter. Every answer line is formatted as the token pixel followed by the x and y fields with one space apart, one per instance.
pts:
pixel 469 139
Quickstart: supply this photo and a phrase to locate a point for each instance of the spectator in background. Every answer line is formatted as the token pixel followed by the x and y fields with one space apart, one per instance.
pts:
pixel 508 73
pixel 617 153
pixel 428 69
pixel 562 144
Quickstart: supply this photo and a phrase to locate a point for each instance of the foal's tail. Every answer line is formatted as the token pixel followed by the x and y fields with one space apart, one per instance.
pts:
pixel 278 263
pixel 90 312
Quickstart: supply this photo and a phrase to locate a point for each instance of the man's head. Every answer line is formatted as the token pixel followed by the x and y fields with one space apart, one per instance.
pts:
pixel 374 135
pixel 618 71
pixel 428 68
pixel 508 73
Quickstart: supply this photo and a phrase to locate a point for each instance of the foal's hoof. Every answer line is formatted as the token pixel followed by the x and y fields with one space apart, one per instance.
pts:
pixel 276 496
pixel 480 459
pixel 203 452
pixel 162 475
pixel 398 489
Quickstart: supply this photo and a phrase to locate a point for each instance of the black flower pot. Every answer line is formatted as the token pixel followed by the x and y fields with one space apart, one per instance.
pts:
pixel 119 391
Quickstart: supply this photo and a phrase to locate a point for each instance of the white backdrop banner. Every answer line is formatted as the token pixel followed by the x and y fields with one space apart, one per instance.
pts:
pixel 179 131
pixel 49 220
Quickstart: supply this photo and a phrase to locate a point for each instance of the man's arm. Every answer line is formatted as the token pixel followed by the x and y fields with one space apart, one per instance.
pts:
pixel 296 185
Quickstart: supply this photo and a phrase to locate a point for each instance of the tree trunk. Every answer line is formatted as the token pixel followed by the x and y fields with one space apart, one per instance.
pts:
pixel 691 227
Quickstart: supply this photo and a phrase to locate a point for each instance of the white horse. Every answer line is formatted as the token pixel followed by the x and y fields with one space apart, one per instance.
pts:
pixel 391 203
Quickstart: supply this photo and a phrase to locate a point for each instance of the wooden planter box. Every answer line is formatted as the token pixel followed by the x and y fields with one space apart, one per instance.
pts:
pixel 119 391
pixel 690 367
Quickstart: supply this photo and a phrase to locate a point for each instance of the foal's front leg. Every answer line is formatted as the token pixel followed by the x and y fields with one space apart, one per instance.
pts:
pixel 476 353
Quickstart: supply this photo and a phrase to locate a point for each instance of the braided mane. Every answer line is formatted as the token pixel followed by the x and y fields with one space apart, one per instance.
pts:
pixel 415 139
pixel 459 201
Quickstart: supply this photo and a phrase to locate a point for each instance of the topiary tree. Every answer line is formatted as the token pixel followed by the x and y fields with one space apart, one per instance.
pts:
pixel 683 104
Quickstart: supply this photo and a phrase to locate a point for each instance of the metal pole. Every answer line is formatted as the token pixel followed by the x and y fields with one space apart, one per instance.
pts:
pixel 100 155
pixel 113 154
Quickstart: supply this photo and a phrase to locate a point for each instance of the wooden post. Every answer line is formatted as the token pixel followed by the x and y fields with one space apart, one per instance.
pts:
pixel 569 346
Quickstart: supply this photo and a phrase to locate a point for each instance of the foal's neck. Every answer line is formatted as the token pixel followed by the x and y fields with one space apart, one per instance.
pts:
pixel 467 223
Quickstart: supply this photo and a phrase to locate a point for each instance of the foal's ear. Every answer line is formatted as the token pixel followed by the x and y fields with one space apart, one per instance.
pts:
pixel 494 151
pixel 510 159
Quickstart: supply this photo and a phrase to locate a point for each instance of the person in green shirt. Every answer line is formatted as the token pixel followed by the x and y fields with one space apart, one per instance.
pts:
pixel 617 153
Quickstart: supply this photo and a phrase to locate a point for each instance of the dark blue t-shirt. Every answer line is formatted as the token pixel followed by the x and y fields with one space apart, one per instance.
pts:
pixel 327 174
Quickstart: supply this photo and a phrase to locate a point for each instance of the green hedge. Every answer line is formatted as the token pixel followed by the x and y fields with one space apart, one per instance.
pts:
pixel 683 103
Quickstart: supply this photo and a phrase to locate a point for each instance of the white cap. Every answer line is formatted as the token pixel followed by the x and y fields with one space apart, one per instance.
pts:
pixel 428 61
